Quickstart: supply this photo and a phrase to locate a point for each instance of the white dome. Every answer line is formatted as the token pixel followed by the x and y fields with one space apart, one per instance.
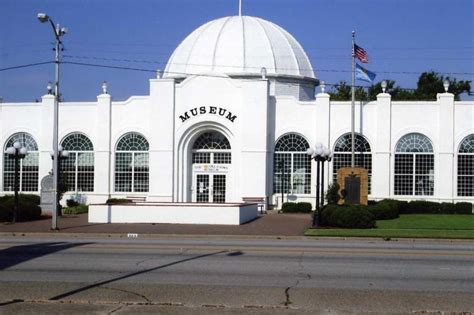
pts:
pixel 239 45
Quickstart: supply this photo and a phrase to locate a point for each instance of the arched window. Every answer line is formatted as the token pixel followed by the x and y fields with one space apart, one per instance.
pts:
pixel 414 166
pixel 208 142
pixel 342 155
pixel 29 166
pixel 466 167
pixel 291 165
pixel 79 166
pixel 131 164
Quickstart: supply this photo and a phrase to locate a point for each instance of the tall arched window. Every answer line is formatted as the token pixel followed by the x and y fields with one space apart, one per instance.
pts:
pixel 414 166
pixel 342 155
pixel 131 164
pixel 291 165
pixel 466 167
pixel 29 166
pixel 79 166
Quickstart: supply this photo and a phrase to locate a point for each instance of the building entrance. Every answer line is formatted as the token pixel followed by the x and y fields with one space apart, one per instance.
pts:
pixel 210 188
pixel 211 168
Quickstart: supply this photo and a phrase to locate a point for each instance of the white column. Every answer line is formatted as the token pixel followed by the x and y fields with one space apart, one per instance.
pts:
pixel 257 160
pixel 322 133
pixel 162 120
pixel 45 139
pixel 381 150
pixel 103 148
pixel 444 152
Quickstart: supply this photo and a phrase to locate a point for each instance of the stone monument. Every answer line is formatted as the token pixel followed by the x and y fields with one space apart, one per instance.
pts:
pixel 354 185
pixel 47 195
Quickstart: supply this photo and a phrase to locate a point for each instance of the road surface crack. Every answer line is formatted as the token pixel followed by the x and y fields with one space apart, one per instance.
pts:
pixel 130 292
pixel 299 274
pixel 116 309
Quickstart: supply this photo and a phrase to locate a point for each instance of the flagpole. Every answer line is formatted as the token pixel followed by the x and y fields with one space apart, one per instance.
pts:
pixel 353 103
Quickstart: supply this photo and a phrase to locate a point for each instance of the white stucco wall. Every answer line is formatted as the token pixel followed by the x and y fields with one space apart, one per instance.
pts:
pixel 260 119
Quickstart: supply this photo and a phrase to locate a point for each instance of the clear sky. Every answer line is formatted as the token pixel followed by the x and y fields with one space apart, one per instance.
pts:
pixel 399 35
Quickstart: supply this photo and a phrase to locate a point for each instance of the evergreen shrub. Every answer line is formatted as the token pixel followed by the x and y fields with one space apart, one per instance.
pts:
pixel 76 209
pixel 28 207
pixel 293 207
pixel 351 216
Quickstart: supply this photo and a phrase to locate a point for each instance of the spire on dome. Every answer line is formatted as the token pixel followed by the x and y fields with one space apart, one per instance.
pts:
pixel 240 7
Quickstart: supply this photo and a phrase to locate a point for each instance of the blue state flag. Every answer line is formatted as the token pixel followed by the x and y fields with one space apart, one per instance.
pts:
pixel 364 74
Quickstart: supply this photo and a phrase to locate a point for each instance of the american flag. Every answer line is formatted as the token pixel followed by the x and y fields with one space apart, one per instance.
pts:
pixel 360 54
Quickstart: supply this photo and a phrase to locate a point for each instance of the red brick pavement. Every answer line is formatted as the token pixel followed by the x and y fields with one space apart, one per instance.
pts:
pixel 269 224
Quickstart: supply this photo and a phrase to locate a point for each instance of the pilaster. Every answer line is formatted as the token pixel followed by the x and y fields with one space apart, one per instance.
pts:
pixel 381 151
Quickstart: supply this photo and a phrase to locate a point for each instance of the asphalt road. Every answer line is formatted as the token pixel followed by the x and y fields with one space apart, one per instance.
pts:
pixel 212 276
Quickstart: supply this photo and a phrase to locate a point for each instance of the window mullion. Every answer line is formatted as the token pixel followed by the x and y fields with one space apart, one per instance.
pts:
pixel 133 172
pixel 76 170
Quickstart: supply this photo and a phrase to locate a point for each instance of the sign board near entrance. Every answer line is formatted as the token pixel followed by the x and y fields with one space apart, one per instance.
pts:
pixel 211 168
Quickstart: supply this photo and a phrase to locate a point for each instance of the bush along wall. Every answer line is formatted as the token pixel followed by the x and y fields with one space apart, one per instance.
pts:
pixel 386 209
pixel 28 207
pixel 429 207
pixel 293 207
pixel 353 216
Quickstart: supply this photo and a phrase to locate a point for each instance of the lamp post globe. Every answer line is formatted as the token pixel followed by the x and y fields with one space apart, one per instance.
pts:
pixel 16 152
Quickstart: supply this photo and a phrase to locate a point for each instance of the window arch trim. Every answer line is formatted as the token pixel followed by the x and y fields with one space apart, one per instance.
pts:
pixel 211 140
pixel 403 146
pixel 77 134
pixel 360 142
pixel 31 146
pixel 301 139
pixel 143 146
pixel 466 146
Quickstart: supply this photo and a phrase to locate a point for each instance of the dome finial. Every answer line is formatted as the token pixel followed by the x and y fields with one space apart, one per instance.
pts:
pixel 240 7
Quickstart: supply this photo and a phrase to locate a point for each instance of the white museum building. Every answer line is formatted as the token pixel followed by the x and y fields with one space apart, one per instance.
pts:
pixel 238 96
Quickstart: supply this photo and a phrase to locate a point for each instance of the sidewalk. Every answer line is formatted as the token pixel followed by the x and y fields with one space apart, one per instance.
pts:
pixel 265 225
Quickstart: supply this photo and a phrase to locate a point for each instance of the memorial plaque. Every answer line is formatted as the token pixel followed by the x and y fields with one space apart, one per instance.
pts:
pixel 354 185
pixel 47 194
pixel 352 188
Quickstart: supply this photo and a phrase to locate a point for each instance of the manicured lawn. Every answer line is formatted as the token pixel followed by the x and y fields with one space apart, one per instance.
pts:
pixel 412 226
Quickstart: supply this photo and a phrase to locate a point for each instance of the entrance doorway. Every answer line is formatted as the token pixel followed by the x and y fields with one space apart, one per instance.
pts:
pixel 211 168
pixel 210 188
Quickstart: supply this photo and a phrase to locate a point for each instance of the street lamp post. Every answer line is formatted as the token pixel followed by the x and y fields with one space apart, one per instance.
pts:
pixel 16 152
pixel 58 32
pixel 62 154
pixel 320 154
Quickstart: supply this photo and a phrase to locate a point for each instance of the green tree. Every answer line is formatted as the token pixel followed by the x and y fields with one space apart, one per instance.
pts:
pixel 429 84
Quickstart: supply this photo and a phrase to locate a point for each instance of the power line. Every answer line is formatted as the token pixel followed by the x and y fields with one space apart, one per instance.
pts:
pixel 256 68
pixel 28 65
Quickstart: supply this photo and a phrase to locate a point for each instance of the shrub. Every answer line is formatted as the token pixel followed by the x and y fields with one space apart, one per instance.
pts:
pixel 304 207
pixel 117 200
pixel 463 208
pixel 77 209
pixel 293 207
pixel 353 216
pixel 28 207
pixel 421 207
pixel 72 203
pixel 429 207
pixel 385 210
pixel 332 194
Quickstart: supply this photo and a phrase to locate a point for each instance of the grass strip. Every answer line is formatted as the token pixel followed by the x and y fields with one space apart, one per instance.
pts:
pixel 410 226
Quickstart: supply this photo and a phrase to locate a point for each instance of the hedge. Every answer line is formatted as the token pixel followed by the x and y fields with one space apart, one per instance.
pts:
pixel 28 207
pixel 76 210
pixel 385 210
pixel 117 201
pixel 293 207
pixel 429 207
pixel 352 216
